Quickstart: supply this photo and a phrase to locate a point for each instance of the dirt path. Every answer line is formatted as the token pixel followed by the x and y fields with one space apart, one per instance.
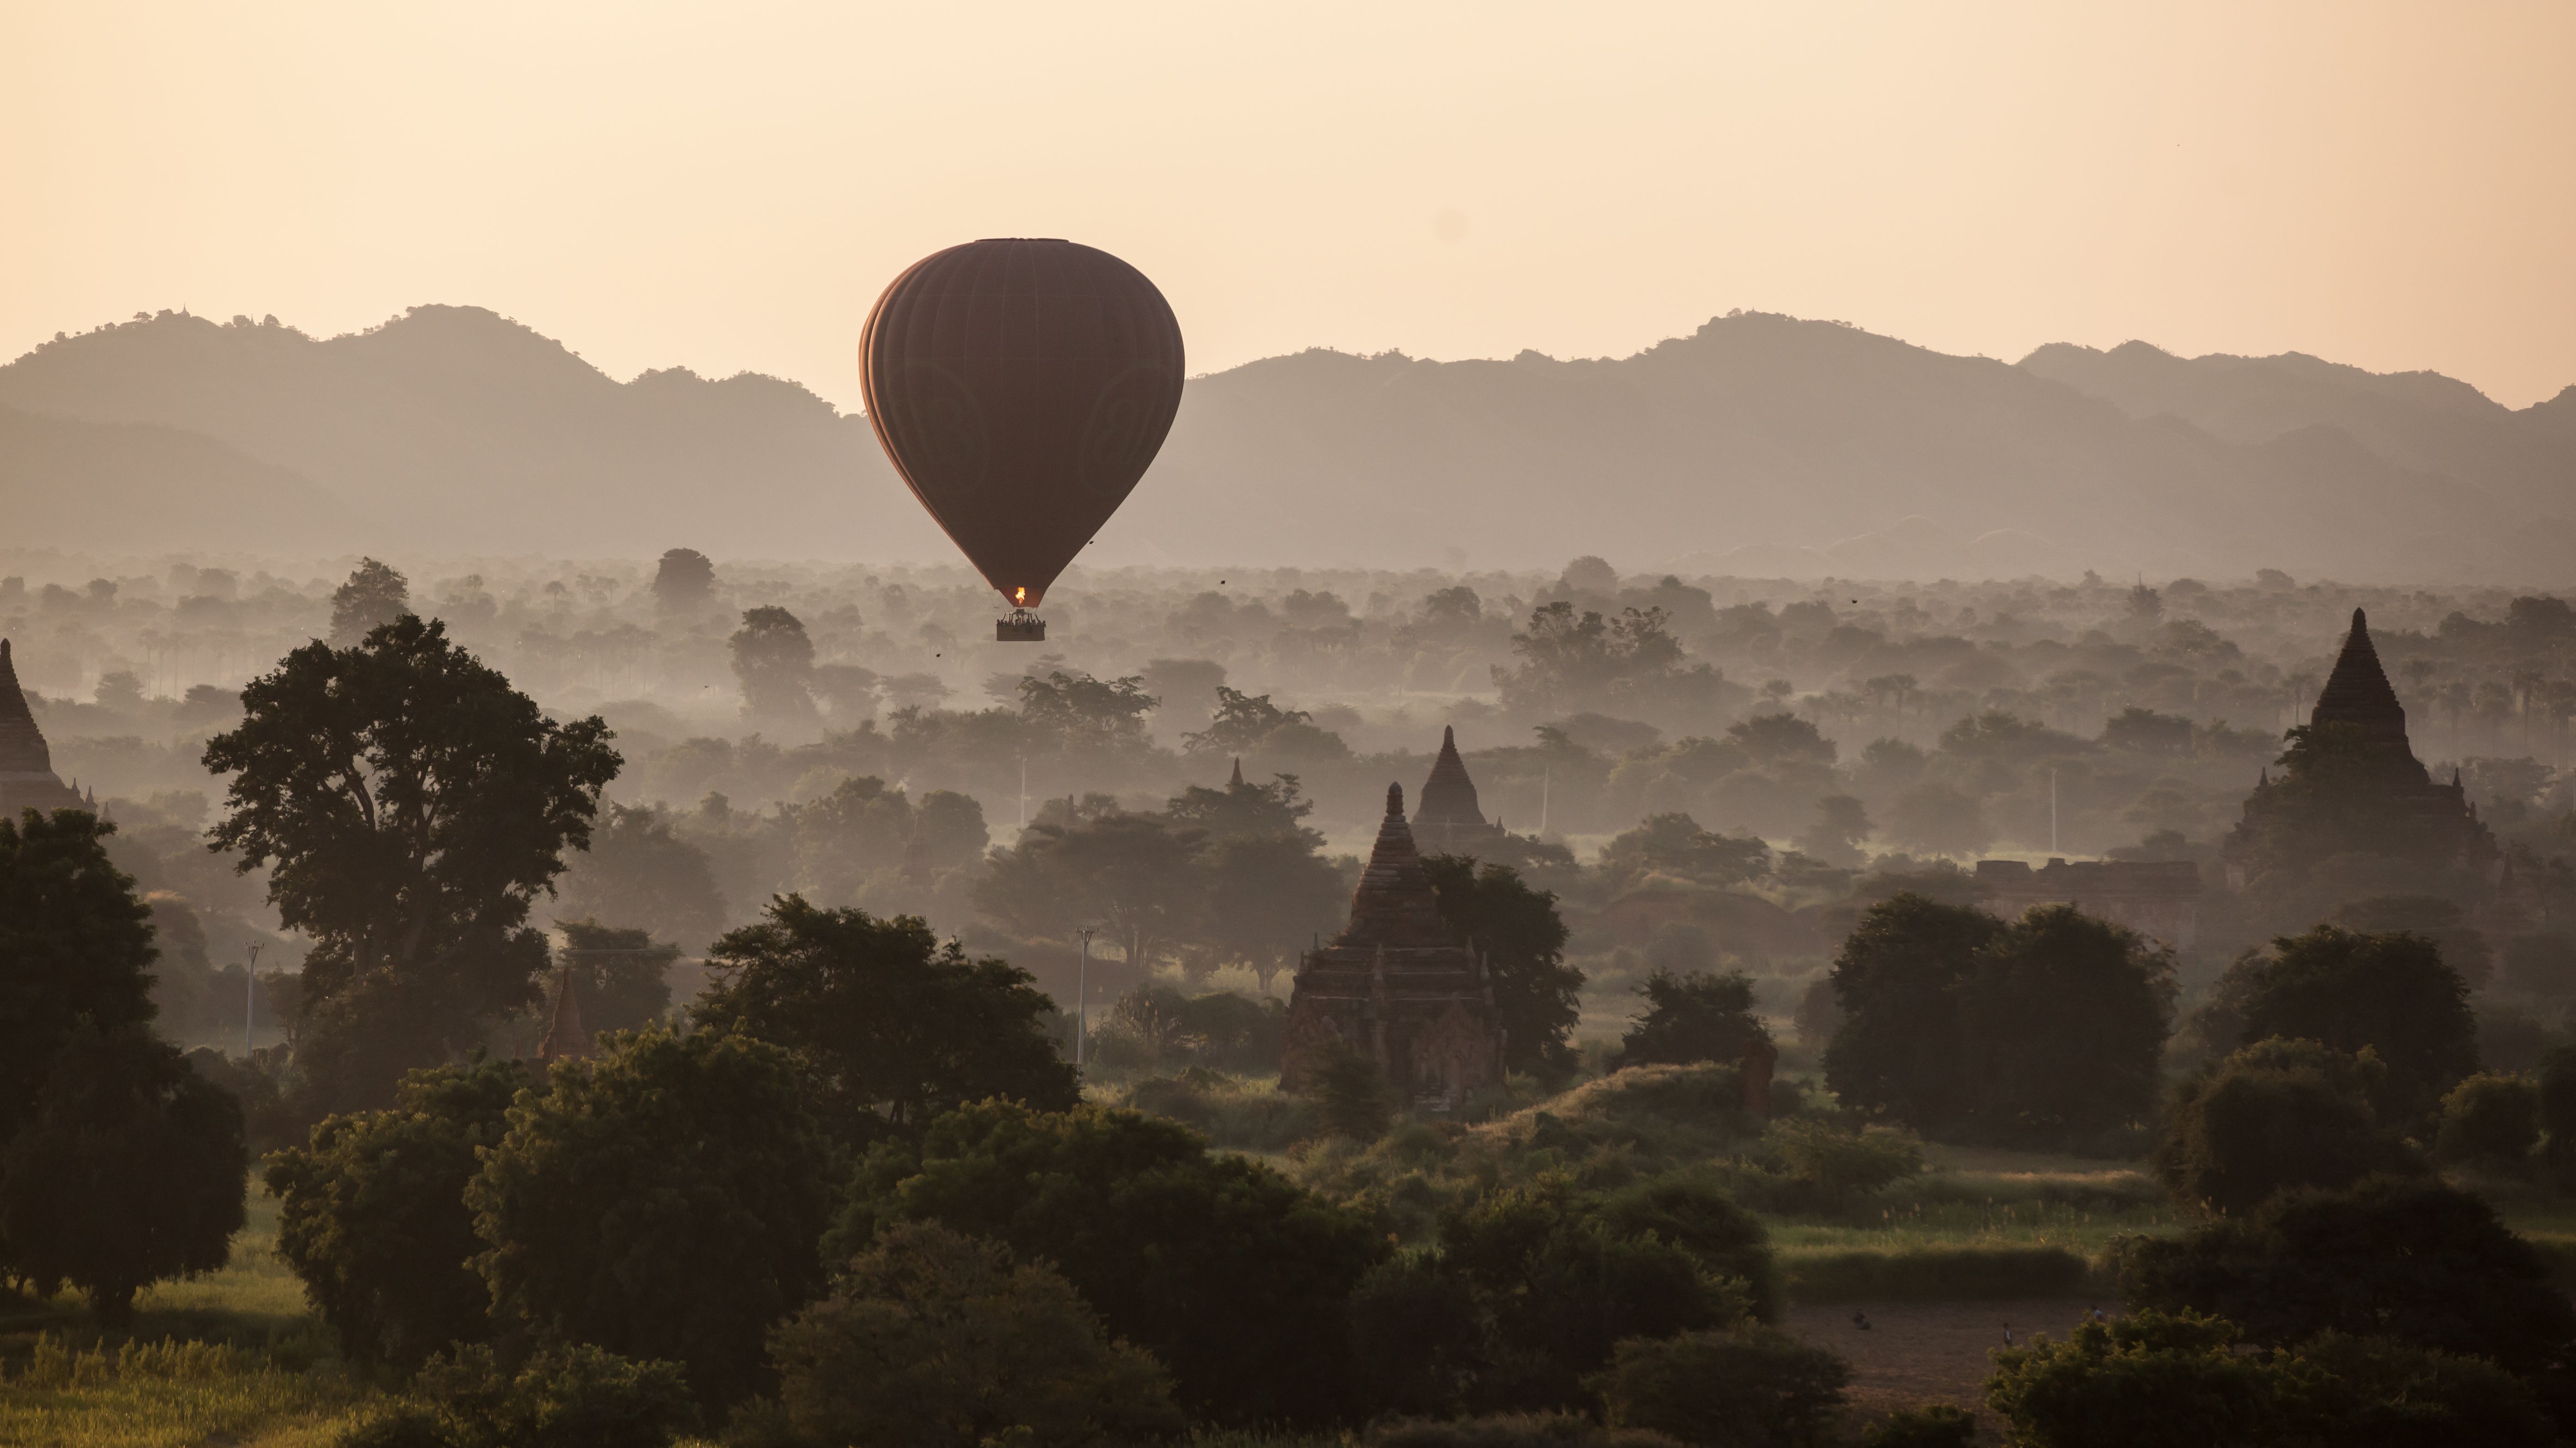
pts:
pixel 1929 1352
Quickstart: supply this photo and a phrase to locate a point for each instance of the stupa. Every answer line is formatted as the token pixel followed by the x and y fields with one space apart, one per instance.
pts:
pixel 1397 987
pixel 1446 820
pixel 27 778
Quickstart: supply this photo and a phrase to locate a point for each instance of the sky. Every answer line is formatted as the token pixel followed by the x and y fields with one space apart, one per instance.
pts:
pixel 729 187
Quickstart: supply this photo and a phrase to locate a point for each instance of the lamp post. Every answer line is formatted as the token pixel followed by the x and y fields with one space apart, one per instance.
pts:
pixel 1082 999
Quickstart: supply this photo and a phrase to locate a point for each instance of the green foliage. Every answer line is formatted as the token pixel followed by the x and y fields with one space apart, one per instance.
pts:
pixel 2379 1391
pixel 893 1026
pixel 1517 931
pixel 638 870
pixel 1555 1287
pixel 1267 897
pixel 1352 1096
pixel 2391 993
pixel 1155 1025
pixel 2275 1116
pixel 2144 1381
pixel 1139 875
pixel 375 595
pixel 1746 1385
pixel 372 1214
pixel 1692 1018
pixel 773 660
pixel 660 1201
pixel 2046 1031
pixel 2489 1121
pixel 128 1170
pixel 1726 1240
pixel 410 806
pixel 2411 1260
pixel 566 1396
pixel 1220 1267
pixel 930 1339
pixel 1842 1158
pixel 624 974
pixel 75 942
pixel 1899 978
pixel 1936 1426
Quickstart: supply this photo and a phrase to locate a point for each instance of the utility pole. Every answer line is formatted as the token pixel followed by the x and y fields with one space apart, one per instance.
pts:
pixel 2052 812
pixel 1082 999
pixel 250 1000
pixel 1545 774
pixel 1024 791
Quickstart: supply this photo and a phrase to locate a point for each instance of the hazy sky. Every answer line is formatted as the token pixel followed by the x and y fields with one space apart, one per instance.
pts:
pixel 729 187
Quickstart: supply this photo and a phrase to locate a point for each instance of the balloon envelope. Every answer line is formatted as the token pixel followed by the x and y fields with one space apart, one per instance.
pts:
pixel 1021 387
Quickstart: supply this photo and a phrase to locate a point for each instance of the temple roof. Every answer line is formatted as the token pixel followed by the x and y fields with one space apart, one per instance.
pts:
pixel 2358 692
pixel 22 744
pixel 1395 905
pixel 1448 796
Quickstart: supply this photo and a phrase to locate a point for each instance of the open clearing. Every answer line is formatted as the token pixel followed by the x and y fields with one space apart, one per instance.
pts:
pixel 1929 1352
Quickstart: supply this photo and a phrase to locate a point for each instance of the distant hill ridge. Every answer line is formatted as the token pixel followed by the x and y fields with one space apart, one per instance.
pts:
pixel 1760 444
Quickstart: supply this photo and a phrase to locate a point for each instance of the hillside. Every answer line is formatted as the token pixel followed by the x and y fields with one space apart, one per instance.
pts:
pixel 1760 445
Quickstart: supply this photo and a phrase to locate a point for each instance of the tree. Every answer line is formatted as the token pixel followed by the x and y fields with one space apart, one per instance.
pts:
pixel 1078 711
pixel 2489 1121
pixel 1242 723
pixel 2146 1381
pixel 684 579
pixel 1254 811
pixel 624 974
pixel 931 1339
pixel 773 660
pixel 1691 1018
pixel 1835 838
pixel 372 1214
pixel 2542 965
pixel 638 871
pixel 128 1170
pixel 75 945
pixel 2275 1116
pixel 374 596
pixel 2409 1259
pixel 1268 896
pixel 1938 819
pixel 1675 844
pixel 1898 978
pixel 661 1201
pixel 2558 1114
pixel 2390 993
pixel 2064 1019
pixel 1571 659
pixel 948 830
pixel 1137 875
pixel 893 1026
pixel 567 1395
pixel 1516 930
pixel 411 806
pixel 1230 1275
pixel 1747 1384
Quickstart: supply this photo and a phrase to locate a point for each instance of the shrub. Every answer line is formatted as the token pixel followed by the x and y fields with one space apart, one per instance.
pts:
pixel 931 1339
pixel 2274 1116
pixel 1936 1426
pixel 1841 1158
pixel 1725 1239
pixel 128 1170
pixel 1228 1273
pixel 661 1201
pixel 565 1397
pixel 2489 1121
pixel 1746 1385
pixel 372 1214
pixel 2144 1381
pixel 2407 1259
pixel 2387 1392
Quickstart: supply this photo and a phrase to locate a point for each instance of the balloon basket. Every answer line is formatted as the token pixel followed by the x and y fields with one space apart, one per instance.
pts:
pixel 1022 627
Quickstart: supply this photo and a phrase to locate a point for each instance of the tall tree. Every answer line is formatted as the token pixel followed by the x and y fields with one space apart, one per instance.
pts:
pixel 2390 993
pixel 1269 896
pixel 374 596
pixel 1136 875
pixel 75 942
pixel 1515 927
pixel 624 974
pixel 774 662
pixel 684 579
pixel 638 871
pixel 1690 1018
pixel 128 1170
pixel 895 1026
pixel 1898 979
pixel 411 806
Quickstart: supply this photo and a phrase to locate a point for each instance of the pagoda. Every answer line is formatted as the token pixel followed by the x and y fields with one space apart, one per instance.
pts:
pixel 1446 820
pixel 27 778
pixel 2379 782
pixel 1397 987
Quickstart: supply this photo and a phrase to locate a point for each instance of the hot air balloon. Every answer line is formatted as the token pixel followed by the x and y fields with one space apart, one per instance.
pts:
pixel 1021 387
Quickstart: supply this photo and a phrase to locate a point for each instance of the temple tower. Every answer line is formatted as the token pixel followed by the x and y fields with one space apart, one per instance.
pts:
pixel 1397 987
pixel 27 778
pixel 1446 820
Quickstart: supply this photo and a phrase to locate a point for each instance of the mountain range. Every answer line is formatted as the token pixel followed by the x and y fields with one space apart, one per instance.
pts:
pixel 1760 445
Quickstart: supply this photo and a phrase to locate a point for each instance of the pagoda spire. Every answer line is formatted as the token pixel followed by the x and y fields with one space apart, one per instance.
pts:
pixel 22 744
